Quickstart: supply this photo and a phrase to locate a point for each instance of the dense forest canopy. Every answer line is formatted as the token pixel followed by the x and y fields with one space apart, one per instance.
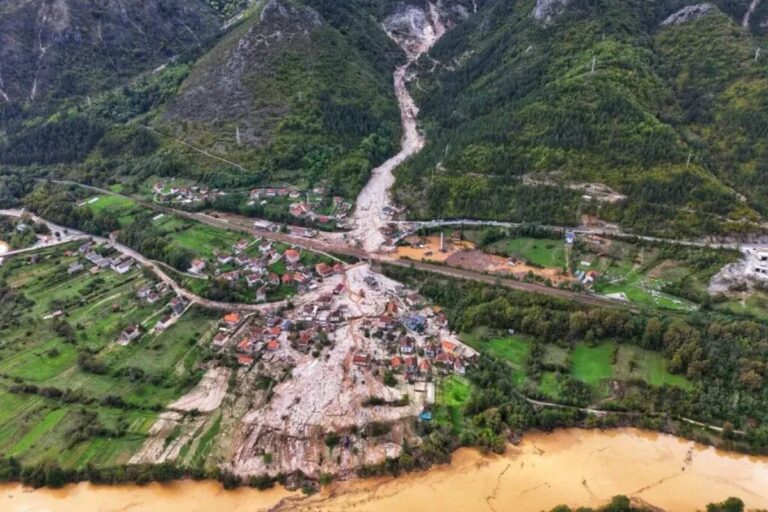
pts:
pixel 672 116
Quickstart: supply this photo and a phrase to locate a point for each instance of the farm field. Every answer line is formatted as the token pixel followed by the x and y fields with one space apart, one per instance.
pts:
pixel 205 240
pixel 594 365
pixel 68 392
pixel 544 252
pixel 121 208
pixel 452 395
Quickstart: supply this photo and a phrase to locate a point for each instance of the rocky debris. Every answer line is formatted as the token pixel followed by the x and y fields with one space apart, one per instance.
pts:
pixel 747 274
pixel 323 396
pixel 415 28
pixel 547 10
pixel 168 435
pixel 687 14
pixel 207 396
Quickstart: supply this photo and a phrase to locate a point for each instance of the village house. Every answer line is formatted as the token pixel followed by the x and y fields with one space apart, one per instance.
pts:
pixel 220 340
pixel 265 246
pixel 230 276
pixel 241 260
pixel 75 267
pixel 142 291
pixel 153 297
pixel 323 270
pixel 231 320
pixel 122 266
pixel 411 365
pixel 396 363
pixel 240 246
pixel 407 345
pixel 197 266
pixel 164 323
pixel 177 305
pixel 130 334
pixel 224 258
pixel 252 280
pixel 292 256
pixel 299 209
pixel 273 345
pixel 304 343
pixel 416 323
pixel 246 346
pixel 449 346
pixel 361 360
pixel 445 359
pixel 244 360
pixel 261 294
pixel 387 323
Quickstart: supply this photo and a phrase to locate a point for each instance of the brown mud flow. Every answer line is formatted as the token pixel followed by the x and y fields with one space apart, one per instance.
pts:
pixel 576 467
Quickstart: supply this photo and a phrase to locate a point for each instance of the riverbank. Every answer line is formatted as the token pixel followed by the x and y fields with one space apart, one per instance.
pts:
pixel 577 467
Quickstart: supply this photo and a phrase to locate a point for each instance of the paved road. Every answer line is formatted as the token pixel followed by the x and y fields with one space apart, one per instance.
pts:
pixel 412 226
pixel 151 264
pixel 245 226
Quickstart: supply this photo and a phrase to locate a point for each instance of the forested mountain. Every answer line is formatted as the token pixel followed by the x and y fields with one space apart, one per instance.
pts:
pixel 662 101
pixel 297 92
pixel 56 49
pixel 648 113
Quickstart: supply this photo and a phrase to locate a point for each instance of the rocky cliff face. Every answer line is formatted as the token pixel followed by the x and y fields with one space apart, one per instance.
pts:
pixel 60 48
pixel 417 25
pixel 546 10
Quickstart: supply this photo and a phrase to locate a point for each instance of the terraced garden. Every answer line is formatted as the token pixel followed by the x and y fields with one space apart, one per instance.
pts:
pixel 67 391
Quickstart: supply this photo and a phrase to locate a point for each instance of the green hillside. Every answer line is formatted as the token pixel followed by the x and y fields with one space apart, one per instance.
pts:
pixel 515 102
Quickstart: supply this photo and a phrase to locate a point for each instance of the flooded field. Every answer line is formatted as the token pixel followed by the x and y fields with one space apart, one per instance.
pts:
pixel 570 466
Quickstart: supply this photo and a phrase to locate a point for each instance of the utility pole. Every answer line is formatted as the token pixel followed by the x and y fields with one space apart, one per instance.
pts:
pixel 688 162
pixel 237 134
pixel 757 54
pixel 594 63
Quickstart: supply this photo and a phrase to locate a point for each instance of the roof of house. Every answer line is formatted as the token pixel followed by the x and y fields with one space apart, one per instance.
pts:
pixel 395 362
pixel 232 318
pixel 273 344
pixel 244 360
pixel 449 346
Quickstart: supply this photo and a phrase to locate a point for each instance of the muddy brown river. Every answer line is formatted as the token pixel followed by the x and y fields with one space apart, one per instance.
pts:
pixel 570 466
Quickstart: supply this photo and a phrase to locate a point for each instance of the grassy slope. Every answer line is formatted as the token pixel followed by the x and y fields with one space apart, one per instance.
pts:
pixel 36 428
pixel 521 98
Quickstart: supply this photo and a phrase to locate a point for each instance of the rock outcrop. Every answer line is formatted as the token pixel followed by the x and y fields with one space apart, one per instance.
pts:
pixel 688 14
pixel 547 10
